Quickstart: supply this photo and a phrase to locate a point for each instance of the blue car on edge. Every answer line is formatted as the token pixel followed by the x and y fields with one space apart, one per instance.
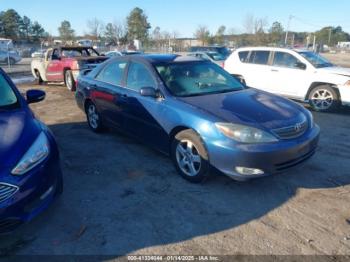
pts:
pixel 199 114
pixel 30 174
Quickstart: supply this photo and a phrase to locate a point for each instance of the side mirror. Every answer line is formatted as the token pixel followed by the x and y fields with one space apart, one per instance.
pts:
pixel 300 65
pixel 35 96
pixel 148 91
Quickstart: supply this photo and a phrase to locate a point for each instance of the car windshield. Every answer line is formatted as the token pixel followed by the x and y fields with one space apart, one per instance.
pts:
pixel 79 52
pixel 8 98
pixel 316 60
pixel 216 56
pixel 197 78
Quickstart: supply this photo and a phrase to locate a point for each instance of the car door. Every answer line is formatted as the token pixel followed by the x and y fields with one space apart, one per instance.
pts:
pixel 108 94
pixel 54 70
pixel 140 111
pixel 256 69
pixel 288 74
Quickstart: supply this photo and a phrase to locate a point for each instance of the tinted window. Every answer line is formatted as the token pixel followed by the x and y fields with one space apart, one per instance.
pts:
pixel 259 57
pixel 8 98
pixel 285 60
pixel 197 78
pixel 139 76
pixel 112 73
pixel 243 56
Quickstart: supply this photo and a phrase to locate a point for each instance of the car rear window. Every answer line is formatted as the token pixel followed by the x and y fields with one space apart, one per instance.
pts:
pixel 259 57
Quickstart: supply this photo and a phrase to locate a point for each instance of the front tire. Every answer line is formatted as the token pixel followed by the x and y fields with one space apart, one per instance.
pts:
pixel 324 98
pixel 93 118
pixel 190 156
pixel 38 79
pixel 69 80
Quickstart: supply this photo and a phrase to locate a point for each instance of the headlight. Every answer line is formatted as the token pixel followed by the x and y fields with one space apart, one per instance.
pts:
pixel 34 156
pixel 245 134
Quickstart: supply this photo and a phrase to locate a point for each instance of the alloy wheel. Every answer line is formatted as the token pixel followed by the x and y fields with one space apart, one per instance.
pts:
pixel 322 99
pixel 93 116
pixel 188 158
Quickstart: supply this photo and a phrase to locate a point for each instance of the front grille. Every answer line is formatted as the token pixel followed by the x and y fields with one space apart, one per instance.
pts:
pixel 7 191
pixel 8 225
pixel 291 131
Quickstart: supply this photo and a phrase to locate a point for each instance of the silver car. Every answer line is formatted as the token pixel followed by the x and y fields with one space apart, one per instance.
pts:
pixel 214 57
pixel 12 56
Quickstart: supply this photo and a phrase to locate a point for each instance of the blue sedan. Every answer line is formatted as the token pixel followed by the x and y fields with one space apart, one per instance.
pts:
pixel 30 174
pixel 200 115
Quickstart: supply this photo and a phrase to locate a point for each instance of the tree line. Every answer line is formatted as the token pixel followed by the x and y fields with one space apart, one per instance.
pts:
pixel 256 31
pixel 19 28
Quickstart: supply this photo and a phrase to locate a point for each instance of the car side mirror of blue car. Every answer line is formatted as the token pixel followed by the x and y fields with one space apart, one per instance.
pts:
pixel 149 91
pixel 35 96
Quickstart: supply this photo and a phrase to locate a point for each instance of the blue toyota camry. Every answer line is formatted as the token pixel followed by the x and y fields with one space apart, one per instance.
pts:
pixel 198 114
pixel 30 174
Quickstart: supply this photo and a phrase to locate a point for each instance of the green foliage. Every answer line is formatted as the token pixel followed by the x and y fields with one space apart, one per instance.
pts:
pixel 219 36
pixel 331 35
pixel 137 25
pixel 66 31
pixel 13 26
pixel 203 34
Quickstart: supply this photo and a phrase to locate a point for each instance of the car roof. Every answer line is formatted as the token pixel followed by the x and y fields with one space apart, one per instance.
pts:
pixel 164 58
pixel 268 48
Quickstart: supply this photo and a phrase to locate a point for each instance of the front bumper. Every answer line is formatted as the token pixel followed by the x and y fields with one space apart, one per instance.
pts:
pixel 270 158
pixel 36 190
pixel 344 92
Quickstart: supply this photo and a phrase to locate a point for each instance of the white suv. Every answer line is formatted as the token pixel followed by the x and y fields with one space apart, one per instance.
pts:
pixel 297 74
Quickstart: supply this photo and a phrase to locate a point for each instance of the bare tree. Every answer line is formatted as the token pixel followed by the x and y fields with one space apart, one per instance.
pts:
pixel 203 34
pixel 120 30
pixel 248 24
pixel 95 27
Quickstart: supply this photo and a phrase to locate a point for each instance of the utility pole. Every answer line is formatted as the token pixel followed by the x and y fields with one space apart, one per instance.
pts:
pixel 288 26
pixel 329 37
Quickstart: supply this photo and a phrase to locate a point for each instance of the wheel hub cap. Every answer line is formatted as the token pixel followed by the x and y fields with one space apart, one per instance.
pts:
pixel 322 99
pixel 188 158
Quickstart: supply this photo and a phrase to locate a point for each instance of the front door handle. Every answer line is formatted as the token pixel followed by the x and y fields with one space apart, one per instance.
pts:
pixel 274 70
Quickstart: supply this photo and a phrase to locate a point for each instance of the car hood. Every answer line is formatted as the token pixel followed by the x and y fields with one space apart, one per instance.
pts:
pixel 250 107
pixel 337 70
pixel 18 130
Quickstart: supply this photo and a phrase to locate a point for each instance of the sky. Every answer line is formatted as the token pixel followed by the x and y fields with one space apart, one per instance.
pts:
pixel 184 16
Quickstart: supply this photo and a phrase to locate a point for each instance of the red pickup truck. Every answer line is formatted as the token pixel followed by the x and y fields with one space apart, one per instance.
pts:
pixel 64 64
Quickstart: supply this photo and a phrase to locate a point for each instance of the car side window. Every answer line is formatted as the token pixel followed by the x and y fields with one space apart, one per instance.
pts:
pixel 259 57
pixel 282 59
pixel 243 56
pixel 139 76
pixel 56 55
pixel 112 73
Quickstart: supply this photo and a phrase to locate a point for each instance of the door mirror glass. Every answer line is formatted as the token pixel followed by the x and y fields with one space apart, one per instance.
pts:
pixel 148 91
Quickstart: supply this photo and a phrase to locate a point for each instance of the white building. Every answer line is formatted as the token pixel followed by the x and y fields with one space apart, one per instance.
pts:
pixel 344 45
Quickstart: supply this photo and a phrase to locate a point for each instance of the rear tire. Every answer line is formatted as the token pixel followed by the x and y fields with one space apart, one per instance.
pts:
pixel 38 79
pixel 324 98
pixel 12 61
pixel 69 80
pixel 190 156
pixel 93 118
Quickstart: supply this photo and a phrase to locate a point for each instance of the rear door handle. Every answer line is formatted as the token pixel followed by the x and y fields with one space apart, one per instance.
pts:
pixel 274 70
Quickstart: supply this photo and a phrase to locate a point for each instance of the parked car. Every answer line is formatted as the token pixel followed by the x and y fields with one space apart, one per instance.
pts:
pixel 30 174
pixel 38 54
pixel 224 51
pixel 297 74
pixel 122 53
pixel 200 115
pixel 64 64
pixel 214 57
pixel 9 56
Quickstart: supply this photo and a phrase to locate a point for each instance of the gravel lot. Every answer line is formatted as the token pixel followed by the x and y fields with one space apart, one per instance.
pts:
pixel 121 198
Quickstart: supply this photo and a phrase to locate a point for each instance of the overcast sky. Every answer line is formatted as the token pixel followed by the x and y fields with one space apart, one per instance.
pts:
pixel 184 16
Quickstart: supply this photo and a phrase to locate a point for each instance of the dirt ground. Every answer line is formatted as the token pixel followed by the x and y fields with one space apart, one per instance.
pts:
pixel 121 197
